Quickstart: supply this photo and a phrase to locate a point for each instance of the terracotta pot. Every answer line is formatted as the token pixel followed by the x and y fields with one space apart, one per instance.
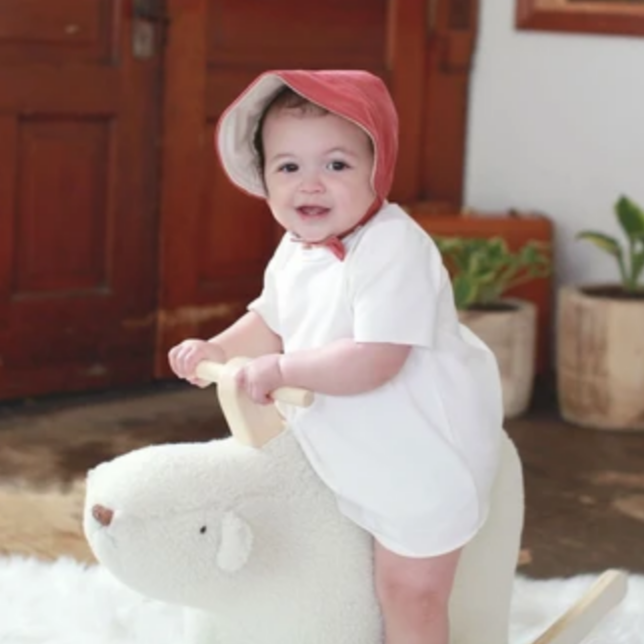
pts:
pixel 600 358
pixel 511 334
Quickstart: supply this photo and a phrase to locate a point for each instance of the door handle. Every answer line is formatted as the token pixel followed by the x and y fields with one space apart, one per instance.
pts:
pixel 150 10
pixel 149 23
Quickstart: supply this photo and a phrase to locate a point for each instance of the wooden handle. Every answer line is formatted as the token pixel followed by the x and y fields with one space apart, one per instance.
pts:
pixel 573 626
pixel 212 371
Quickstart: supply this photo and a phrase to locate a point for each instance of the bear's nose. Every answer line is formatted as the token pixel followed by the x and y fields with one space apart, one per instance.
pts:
pixel 102 514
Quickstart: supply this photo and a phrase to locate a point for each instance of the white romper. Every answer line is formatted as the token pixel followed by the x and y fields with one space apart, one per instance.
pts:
pixel 412 461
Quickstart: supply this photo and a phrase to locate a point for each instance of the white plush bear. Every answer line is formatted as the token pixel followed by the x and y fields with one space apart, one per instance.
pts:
pixel 251 542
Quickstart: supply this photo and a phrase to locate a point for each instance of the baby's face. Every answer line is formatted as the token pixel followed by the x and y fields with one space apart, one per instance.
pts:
pixel 317 172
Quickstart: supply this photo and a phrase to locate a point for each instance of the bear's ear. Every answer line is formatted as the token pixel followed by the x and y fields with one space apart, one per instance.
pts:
pixel 235 543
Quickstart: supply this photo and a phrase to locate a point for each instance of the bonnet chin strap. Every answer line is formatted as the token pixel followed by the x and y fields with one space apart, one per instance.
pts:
pixel 334 242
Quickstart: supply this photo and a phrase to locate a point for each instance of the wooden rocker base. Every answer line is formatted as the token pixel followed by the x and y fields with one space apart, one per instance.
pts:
pixel 581 618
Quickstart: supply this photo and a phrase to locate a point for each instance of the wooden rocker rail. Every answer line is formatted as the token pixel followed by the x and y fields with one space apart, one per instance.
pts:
pixel 581 618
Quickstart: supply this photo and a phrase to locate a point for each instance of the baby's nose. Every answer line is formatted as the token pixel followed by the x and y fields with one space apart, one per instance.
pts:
pixel 102 514
pixel 312 183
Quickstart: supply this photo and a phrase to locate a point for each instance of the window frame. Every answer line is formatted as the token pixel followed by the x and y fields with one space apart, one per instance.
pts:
pixel 581 16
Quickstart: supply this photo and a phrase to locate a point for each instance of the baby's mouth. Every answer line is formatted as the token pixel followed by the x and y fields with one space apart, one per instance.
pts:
pixel 312 211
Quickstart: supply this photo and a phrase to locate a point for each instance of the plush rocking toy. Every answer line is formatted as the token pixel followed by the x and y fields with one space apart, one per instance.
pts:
pixel 244 535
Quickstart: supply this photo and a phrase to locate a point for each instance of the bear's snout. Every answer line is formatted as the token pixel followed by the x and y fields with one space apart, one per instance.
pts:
pixel 102 515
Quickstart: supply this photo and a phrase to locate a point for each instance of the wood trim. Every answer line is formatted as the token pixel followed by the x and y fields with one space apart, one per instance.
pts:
pixel 184 146
pixel 607 18
pixel 430 48
pixel 453 27
pixel 8 162
pixel 405 63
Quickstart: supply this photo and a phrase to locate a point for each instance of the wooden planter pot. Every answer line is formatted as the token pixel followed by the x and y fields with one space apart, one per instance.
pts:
pixel 600 359
pixel 511 334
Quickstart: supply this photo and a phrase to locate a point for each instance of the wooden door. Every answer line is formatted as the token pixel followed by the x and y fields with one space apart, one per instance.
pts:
pixel 216 241
pixel 78 229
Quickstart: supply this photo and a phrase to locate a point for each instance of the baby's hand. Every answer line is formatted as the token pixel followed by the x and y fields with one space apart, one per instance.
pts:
pixel 260 378
pixel 185 357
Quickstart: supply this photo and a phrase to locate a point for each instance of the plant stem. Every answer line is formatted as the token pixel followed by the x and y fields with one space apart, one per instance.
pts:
pixel 629 277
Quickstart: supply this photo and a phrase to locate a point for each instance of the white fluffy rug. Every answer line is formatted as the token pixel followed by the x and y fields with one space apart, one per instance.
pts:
pixel 67 603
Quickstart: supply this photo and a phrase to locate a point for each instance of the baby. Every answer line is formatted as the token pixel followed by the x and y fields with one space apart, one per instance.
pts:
pixel 357 307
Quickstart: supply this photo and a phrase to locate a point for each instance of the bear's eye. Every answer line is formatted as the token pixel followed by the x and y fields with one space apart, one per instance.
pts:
pixel 203 529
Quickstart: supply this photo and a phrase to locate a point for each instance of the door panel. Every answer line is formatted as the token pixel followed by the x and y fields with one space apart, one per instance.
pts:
pixel 60 31
pixel 82 252
pixel 77 197
pixel 288 34
pixel 65 158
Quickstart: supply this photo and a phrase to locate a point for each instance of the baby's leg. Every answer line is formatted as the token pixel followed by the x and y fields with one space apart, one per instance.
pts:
pixel 414 596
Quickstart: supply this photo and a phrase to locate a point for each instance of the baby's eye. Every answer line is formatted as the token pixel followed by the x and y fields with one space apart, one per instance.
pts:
pixel 288 167
pixel 337 166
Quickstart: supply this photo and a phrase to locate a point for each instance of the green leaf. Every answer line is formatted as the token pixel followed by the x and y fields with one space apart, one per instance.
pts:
pixel 605 242
pixel 497 247
pixel 483 268
pixel 490 293
pixel 638 265
pixel 464 291
pixel 631 218
pixel 486 277
pixel 448 245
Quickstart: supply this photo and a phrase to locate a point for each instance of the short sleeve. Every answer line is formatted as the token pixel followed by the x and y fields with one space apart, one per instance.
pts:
pixel 396 285
pixel 266 305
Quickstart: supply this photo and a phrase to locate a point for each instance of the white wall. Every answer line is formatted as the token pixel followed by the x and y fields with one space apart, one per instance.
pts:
pixel 556 124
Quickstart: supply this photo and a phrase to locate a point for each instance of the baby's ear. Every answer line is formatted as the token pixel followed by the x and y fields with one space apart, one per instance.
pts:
pixel 235 544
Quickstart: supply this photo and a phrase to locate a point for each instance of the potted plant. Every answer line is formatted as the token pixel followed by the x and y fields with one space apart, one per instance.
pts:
pixel 600 335
pixel 483 270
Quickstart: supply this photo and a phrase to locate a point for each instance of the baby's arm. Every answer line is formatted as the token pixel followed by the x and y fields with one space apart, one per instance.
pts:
pixel 250 337
pixel 344 367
